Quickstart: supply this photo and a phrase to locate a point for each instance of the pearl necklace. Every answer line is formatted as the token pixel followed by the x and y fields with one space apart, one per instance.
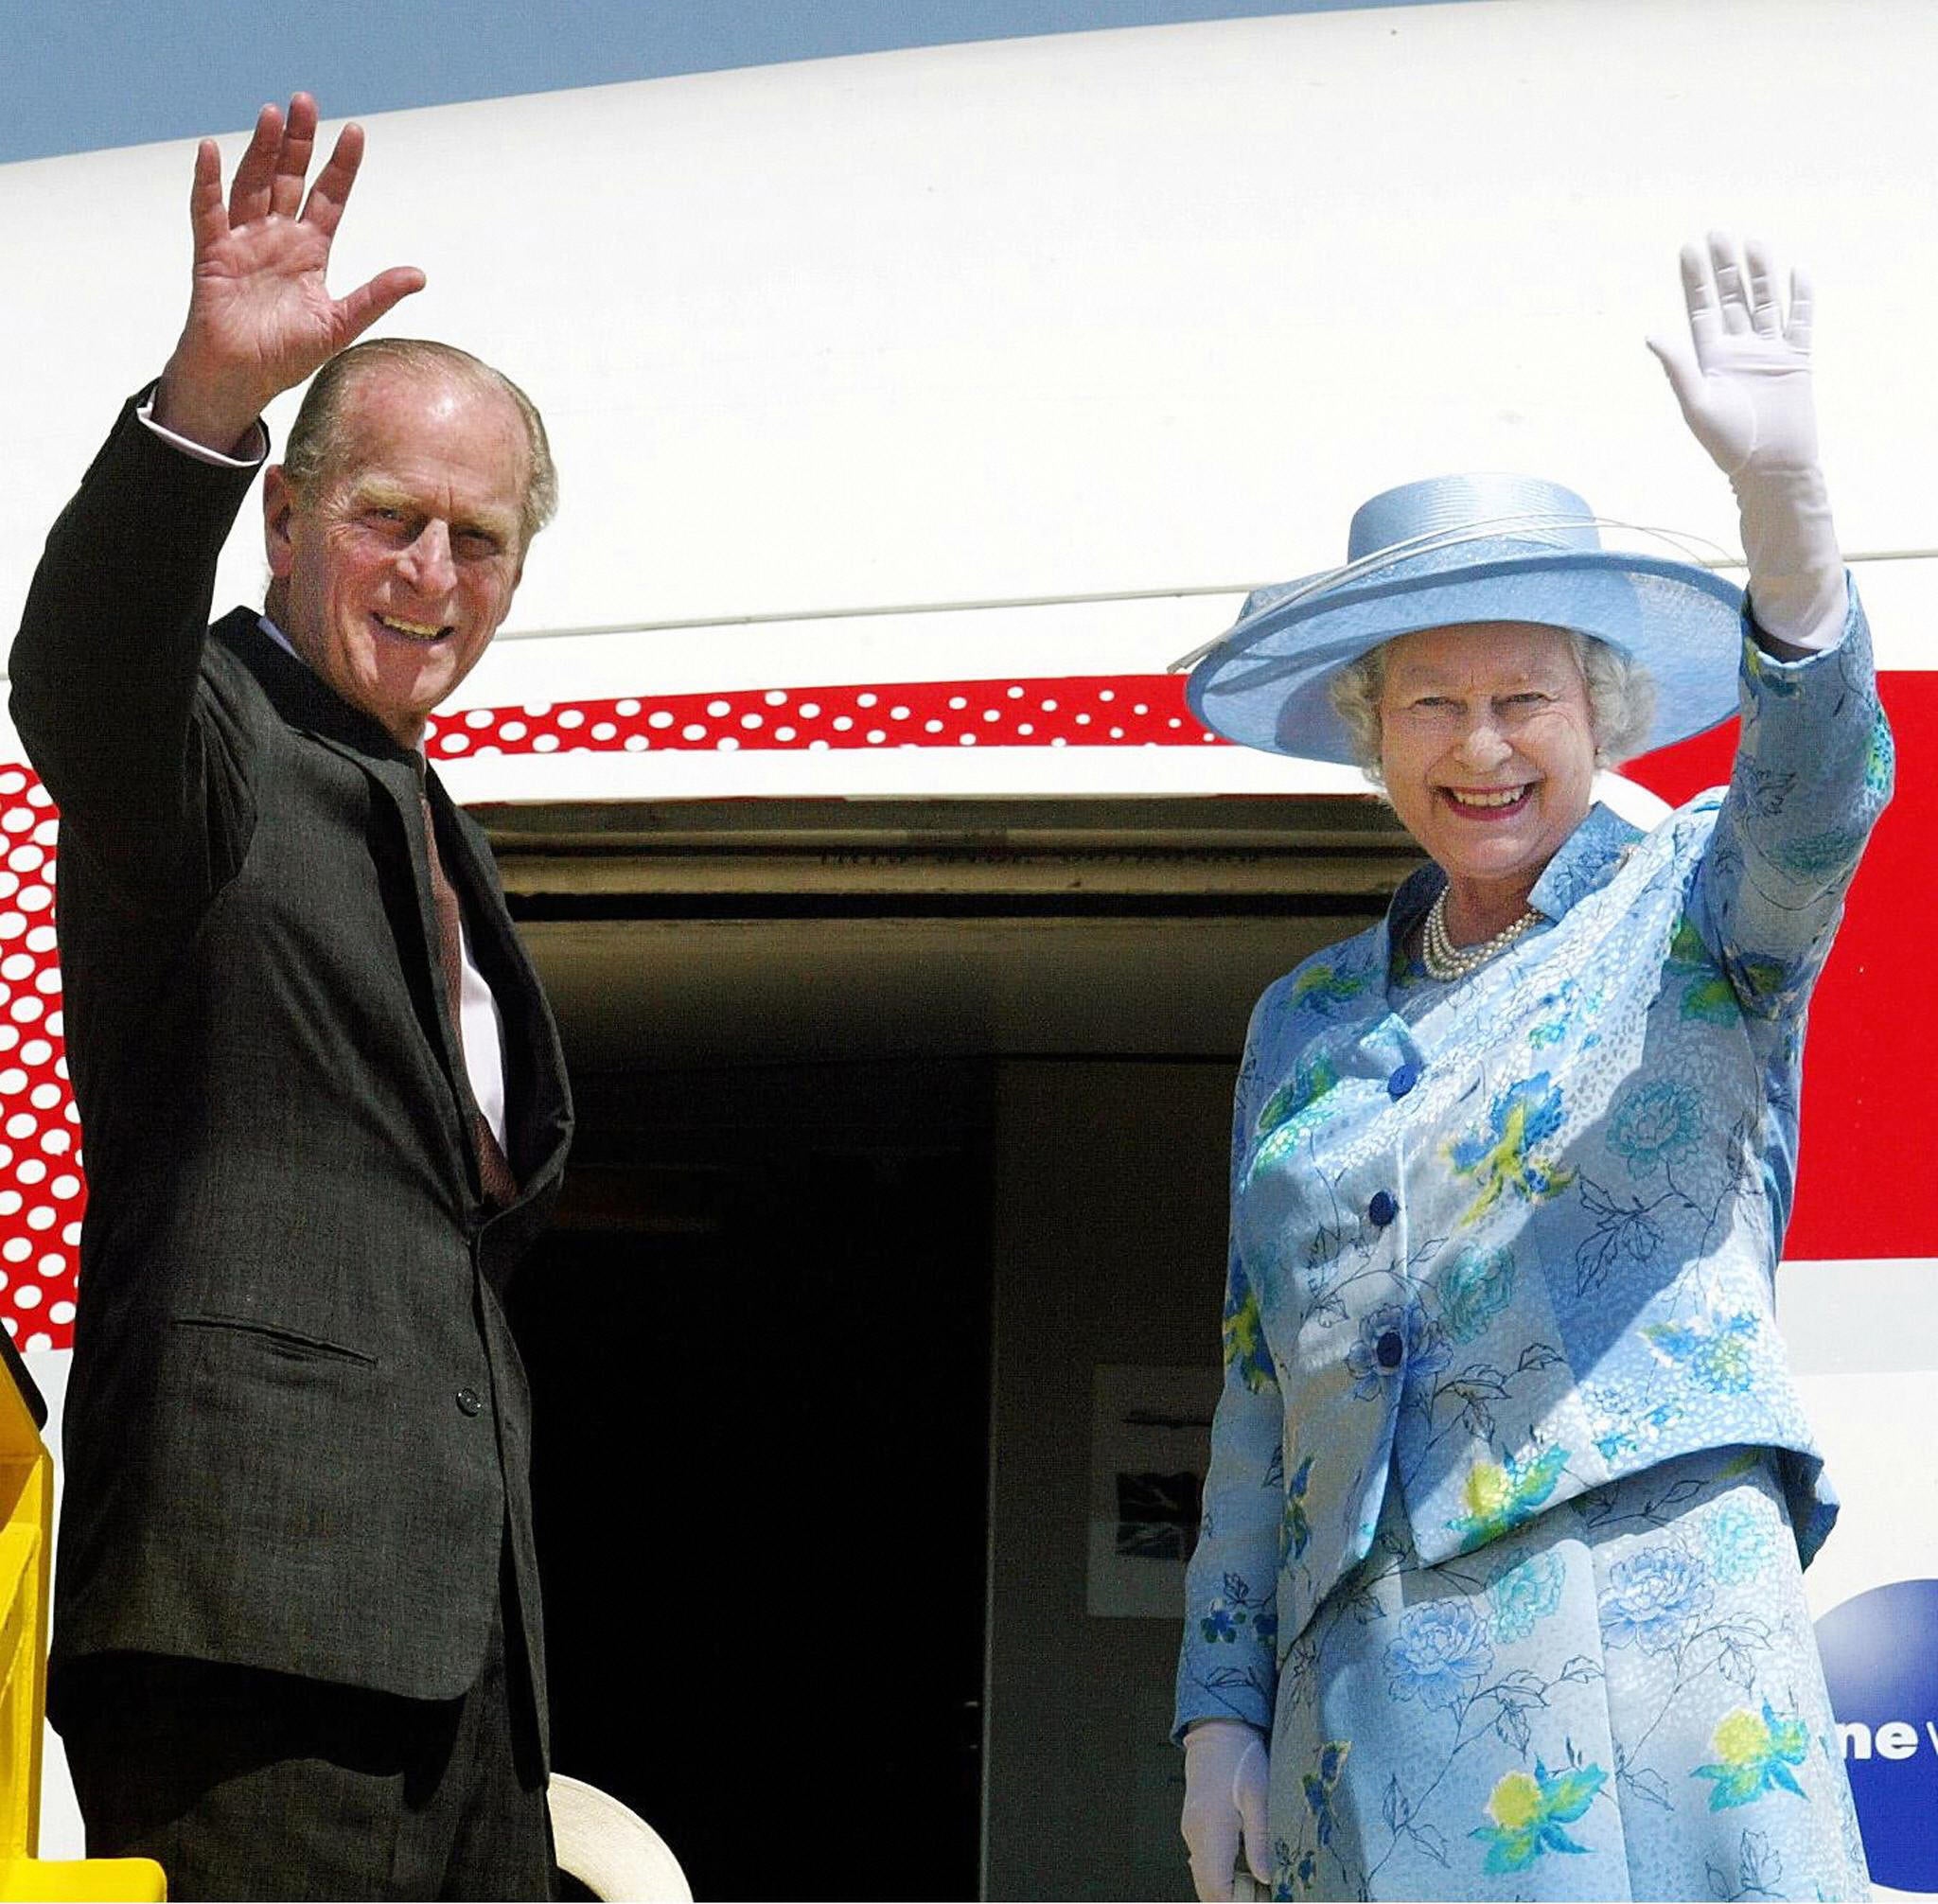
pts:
pixel 1448 962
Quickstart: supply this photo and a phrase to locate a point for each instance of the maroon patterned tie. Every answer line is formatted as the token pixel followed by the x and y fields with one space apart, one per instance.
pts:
pixel 494 1169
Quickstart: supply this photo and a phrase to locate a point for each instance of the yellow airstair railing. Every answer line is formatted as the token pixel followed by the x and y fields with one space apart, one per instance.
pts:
pixel 27 1503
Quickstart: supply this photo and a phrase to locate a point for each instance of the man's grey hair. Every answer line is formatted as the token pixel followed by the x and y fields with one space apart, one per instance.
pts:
pixel 316 437
pixel 1621 701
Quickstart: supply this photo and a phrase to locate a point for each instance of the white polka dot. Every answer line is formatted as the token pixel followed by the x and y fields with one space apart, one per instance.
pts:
pixel 44 1097
pixel 62 1311
pixel 1082 720
pixel 57 1023
pixel 570 717
pixel 16 1249
pixel 10 1037
pixel 71 1114
pixel 455 743
pixel 809 710
pixel 753 720
pixel 11 1200
pixel 40 1339
pixel 513 730
pixel 70 1235
pixel 875 736
pixel 41 939
pixel 40 1217
pixel 12 780
pixel 11 1079
pixel 47 832
pixel 51 1265
pixel 39 796
pixel 718 708
pixel 546 743
pixel 66 1185
pixel 491 751
pixel 1023 726
pixel 538 710
pixel 31 1170
pixel 694 731
pixel 816 746
pixel 26 859
pixel 784 733
pixel 637 742
pixel 957 702
pixel 966 739
pixel 18 819
pixel 1140 709
pixel 35 898
pixel 931 727
pixel 28 1295
pixel 1108 695
pixel 1048 707
pixel 628 708
pixel 843 722
pixel 866 700
pixel 659 717
pixel 1117 734
pixel 1057 740
pixel 56 1143
pixel 898 714
pixel 478 717
pixel 48 982
pixel 603 729
pixel 11 925
pixel 775 698
pixel 992 713
pixel 1013 693
pixel 727 743
pixel 21 1124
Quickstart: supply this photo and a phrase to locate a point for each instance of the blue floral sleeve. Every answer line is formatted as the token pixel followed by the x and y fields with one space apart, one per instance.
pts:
pixel 1813 772
pixel 1227 1666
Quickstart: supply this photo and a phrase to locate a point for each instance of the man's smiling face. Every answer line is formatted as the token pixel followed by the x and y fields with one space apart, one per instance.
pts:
pixel 392 570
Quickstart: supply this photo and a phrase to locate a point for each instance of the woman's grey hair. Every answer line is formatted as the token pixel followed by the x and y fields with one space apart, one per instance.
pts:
pixel 1621 701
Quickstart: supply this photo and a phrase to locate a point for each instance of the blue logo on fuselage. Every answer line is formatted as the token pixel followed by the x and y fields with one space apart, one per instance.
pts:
pixel 1880 1662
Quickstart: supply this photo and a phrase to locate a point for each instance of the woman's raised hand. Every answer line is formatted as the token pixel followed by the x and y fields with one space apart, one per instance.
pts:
pixel 1743 377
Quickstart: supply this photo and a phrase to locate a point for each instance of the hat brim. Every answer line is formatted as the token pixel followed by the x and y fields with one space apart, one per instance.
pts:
pixel 1265 684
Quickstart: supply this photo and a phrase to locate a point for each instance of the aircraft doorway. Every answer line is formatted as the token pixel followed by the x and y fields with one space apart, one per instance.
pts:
pixel 898 1123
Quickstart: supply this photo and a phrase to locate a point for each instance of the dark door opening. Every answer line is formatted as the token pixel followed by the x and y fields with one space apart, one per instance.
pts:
pixel 758 1342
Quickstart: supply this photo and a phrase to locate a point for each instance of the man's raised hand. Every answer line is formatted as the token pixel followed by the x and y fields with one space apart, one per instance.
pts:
pixel 260 315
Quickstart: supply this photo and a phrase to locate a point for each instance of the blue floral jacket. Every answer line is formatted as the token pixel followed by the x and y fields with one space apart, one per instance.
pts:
pixel 1520 1239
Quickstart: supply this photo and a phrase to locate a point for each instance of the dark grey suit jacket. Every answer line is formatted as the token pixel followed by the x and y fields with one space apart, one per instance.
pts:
pixel 297 1428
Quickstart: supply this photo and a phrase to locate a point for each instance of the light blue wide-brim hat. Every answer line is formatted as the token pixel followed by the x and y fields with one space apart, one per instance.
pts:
pixel 1465 549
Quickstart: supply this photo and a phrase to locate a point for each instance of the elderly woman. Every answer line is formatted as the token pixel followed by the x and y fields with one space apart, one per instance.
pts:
pixel 1498 1591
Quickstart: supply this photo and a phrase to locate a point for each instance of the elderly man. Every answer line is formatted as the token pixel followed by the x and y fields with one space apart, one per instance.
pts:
pixel 297 1644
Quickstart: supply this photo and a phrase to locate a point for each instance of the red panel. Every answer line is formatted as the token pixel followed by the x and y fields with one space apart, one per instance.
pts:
pixel 1874 1024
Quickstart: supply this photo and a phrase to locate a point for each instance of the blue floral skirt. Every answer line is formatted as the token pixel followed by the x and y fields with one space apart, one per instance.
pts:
pixel 1621 1700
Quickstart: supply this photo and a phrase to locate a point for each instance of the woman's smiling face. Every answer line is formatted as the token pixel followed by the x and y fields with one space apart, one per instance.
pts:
pixel 1486 746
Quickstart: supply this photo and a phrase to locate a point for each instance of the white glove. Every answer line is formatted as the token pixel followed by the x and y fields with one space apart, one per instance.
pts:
pixel 1744 383
pixel 1226 1770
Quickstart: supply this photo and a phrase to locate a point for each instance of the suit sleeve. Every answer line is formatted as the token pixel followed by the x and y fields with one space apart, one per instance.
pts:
pixel 107 688
pixel 1813 772
pixel 1227 1663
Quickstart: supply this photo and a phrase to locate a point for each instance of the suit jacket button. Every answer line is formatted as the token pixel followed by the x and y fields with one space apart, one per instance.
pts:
pixel 1402 1080
pixel 1383 1209
pixel 469 1401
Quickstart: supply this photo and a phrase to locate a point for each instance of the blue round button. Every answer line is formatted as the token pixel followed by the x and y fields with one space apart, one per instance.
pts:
pixel 1404 1080
pixel 1389 1351
pixel 1383 1209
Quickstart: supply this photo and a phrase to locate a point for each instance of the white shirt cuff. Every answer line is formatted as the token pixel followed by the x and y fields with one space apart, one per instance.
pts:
pixel 201 451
